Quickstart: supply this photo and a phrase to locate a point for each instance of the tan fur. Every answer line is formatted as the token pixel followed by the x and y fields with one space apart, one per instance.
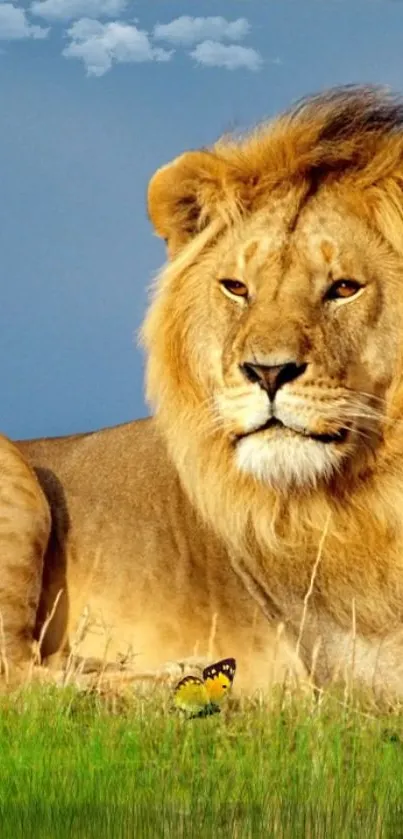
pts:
pixel 196 532
pixel 135 575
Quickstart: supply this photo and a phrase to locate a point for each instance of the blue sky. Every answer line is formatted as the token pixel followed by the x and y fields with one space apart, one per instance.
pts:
pixel 94 96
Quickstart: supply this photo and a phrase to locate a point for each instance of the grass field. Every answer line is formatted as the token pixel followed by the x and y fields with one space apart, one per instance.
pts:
pixel 75 765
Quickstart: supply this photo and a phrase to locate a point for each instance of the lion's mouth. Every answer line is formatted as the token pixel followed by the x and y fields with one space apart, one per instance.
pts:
pixel 338 437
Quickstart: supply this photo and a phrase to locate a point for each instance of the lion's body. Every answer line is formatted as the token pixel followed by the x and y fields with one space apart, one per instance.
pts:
pixel 133 561
pixel 275 368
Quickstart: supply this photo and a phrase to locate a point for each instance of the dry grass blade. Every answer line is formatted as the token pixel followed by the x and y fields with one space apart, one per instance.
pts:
pixel 309 592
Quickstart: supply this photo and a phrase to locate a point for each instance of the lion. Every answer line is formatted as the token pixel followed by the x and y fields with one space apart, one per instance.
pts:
pixel 259 512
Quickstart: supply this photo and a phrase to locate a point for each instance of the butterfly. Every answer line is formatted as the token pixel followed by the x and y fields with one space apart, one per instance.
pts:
pixel 202 697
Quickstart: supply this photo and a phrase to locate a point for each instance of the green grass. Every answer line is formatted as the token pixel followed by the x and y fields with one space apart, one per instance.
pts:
pixel 74 765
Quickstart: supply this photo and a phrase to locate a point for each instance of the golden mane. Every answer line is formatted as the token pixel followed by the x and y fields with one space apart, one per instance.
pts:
pixel 352 136
pixel 352 132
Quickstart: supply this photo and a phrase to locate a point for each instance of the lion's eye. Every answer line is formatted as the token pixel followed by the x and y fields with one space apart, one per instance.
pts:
pixel 235 287
pixel 342 289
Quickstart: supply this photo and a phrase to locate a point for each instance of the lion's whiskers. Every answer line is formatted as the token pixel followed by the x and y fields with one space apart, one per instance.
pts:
pixel 357 409
pixel 369 396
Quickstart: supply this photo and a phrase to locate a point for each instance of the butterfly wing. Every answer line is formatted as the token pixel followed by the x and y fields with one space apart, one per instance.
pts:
pixel 190 695
pixel 218 679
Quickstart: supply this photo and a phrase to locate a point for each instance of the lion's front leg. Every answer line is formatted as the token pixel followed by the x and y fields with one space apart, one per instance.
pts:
pixel 25 522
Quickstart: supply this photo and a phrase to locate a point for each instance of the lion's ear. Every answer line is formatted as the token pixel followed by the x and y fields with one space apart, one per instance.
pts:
pixel 185 195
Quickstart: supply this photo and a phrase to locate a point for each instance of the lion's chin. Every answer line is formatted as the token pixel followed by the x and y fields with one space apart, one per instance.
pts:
pixel 288 459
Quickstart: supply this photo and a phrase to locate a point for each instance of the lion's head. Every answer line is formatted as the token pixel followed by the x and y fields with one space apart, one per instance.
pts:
pixel 278 322
pixel 275 335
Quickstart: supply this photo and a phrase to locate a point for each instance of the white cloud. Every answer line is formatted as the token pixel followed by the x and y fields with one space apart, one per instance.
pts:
pixel 70 9
pixel 15 26
pixel 99 45
pixel 187 30
pixel 232 57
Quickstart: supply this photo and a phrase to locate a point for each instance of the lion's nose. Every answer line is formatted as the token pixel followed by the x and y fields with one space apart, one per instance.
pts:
pixel 272 378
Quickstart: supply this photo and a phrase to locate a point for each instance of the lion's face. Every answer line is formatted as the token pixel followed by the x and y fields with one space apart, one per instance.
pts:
pixel 300 344
pixel 276 329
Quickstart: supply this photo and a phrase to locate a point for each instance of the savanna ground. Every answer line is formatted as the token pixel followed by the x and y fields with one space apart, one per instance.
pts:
pixel 80 764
